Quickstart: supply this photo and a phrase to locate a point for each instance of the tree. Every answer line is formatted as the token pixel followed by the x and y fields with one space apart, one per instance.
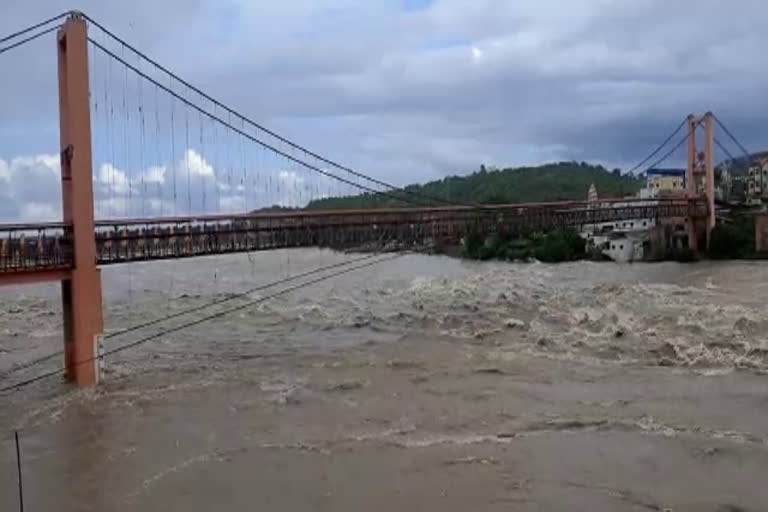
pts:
pixel 561 245
pixel 495 198
pixel 563 181
pixel 734 240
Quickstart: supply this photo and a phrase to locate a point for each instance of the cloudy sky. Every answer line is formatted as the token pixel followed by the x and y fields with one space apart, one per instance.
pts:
pixel 404 90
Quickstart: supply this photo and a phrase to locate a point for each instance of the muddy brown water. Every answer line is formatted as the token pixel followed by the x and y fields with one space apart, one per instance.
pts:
pixel 424 383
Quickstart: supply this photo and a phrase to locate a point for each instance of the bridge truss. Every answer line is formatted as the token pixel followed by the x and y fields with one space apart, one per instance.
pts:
pixel 33 248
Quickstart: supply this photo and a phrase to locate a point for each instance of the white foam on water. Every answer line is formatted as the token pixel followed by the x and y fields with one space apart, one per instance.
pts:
pixel 623 321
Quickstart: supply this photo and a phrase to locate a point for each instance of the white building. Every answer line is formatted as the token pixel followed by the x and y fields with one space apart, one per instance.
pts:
pixel 622 241
pixel 663 182
pixel 757 181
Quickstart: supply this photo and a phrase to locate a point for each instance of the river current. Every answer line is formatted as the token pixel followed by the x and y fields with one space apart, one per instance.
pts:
pixel 423 382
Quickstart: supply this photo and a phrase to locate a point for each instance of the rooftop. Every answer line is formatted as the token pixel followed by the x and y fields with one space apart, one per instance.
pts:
pixel 665 172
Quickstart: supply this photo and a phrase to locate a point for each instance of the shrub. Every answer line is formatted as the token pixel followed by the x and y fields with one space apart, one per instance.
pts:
pixel 734 240
pixel 560 245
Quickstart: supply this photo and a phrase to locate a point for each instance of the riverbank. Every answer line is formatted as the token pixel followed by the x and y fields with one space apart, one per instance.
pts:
pixel 734 240
pixel 553 247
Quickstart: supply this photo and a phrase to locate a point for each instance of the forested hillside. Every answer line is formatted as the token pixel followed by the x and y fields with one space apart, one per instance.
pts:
pixel 562 181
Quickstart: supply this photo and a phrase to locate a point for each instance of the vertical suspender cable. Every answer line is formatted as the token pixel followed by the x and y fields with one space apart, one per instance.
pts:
pixel 160 179
pixel 204 179
pixel 243 180
pixel 216 166
pixel 111 136
pixel 126 125
pixel 173 147
pixel 142 163
pixel 187 152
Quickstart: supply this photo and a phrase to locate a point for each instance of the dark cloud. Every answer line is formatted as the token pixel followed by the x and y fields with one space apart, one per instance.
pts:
pixel 412 94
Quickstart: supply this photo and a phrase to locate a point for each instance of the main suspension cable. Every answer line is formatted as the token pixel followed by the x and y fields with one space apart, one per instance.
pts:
pixel 244 134
pixel 262 128
pixel 35 26
pixel 235 296
pixel 29 39
pixel 196 322
pixel 659 148
pixel 733 138
pixel 667 154
pixel 194 309
pixel 725 150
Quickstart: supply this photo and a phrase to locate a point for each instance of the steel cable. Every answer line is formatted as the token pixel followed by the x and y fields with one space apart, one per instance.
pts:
pixel 213 316
pixel 35 26
pixel 725 150
pixel 240 132
pixel 733 138
pixel 261 127
pixel 659 148
pixel 668 153
pixel 28 39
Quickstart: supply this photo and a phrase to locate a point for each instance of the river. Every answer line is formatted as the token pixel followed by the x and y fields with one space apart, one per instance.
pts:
pixel 421 383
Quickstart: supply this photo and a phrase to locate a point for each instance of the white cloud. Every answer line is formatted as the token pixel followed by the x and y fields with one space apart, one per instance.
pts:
pixel 114 179
pixel 5 171
pixel 232 204
pixel 155 174
pixel 30 188
pixel 291 178
pixel 512 82
pixel 196 165
pixel 33 211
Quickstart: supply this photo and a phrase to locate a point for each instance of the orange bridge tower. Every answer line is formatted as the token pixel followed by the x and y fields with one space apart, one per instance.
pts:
pixel 700 173
pixel 81 289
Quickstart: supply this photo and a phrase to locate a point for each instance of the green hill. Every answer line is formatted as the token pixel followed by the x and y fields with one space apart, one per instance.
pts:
pixel 564 181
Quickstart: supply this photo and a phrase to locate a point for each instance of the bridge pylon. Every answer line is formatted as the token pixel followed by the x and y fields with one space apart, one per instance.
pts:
pixel 700 173
pixel 81 288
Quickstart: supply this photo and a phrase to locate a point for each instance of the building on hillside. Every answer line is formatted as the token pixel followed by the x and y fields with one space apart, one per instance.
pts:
pixel 663 183
pixel 738 192
pixel 724 183
pixel 592 194
pixel 757 181
pixel 623 241
pixel 626 247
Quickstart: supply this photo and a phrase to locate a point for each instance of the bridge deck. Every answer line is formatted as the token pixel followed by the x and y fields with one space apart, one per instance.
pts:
pixel 35 248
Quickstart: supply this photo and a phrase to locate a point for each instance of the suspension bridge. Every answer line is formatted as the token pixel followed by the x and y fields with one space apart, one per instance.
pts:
pixel 154 168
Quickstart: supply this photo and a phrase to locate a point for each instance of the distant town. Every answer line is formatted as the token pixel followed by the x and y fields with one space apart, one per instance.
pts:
pixel 740 187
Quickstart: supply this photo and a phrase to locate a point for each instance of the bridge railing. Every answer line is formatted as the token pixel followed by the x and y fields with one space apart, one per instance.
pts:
pixel 26 247
pixel 32 247
pixel 143 239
